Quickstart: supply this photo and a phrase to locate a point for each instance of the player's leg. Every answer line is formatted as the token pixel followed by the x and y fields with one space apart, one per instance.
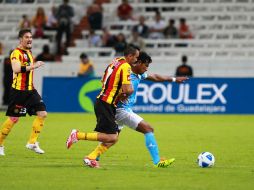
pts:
pixel 97 136
pixel 36 107
pixel 5 130
pixel 38 125
pixel 137 123
pixel 150 140
pixel 105 131
pixel 100 149
pixel 103 147
pixel 152 145
pixel 105 141
pixel 15 110
pixel 132 120
pixel 75 136
pixel 92 159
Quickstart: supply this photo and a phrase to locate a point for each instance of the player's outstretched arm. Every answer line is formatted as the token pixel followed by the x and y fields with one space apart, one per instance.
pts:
pixel 161 78
pixel 17 68
pixel 181 79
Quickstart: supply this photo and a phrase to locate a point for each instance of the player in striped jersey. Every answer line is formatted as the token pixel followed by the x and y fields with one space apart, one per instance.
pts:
pixel 116 85
pixel 126 116
pixel 24 98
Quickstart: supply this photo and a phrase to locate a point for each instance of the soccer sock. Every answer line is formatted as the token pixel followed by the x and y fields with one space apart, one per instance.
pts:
pixel 6 129
pixel 152 147
pixel 87 136
pixel 37 127
pixel 100 149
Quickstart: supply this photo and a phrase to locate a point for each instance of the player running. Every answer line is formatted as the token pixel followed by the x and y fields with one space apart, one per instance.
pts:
pixel 24 98
pixel 116 86
pixel 125 115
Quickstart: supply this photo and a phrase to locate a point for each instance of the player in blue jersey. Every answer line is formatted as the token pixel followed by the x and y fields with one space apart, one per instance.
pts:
pixel 125 115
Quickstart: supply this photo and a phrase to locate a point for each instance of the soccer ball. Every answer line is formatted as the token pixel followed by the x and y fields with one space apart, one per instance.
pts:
pixel 206 159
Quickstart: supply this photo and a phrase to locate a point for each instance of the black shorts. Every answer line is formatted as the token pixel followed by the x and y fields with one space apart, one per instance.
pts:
pixel 23 102
pixel 105 114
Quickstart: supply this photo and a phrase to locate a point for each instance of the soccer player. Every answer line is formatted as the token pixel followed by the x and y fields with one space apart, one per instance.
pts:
pixel 116 86
pixel 125 115
pixel 24 98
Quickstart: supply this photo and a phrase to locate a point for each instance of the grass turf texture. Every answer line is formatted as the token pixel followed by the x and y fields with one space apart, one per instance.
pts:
pixel 127 165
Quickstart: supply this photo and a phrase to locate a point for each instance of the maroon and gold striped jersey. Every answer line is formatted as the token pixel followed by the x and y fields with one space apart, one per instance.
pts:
pixel 116 74
pixel 22 81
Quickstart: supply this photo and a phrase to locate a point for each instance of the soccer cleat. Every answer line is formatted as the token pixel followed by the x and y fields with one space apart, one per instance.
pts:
pixel 35 147
pixel 164 163
pixel 91 163
pixel 2 151
pixel 72 138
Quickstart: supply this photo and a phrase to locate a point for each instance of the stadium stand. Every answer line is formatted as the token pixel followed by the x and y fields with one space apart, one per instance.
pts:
pixel 222 29
pixel 222 44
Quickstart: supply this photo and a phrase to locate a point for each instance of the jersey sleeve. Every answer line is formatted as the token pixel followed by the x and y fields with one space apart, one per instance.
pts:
pixel 125 73
pixel 16 56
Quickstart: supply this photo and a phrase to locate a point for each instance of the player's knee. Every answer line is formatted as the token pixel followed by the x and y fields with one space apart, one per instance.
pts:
pixel 144 128
pixel 42 114
pixel 14 119
pixel 113 138
pixel 148 129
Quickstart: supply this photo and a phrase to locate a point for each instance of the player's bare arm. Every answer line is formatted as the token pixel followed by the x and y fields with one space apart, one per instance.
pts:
pixel 161 78
pixel 127 90
pixel 17 68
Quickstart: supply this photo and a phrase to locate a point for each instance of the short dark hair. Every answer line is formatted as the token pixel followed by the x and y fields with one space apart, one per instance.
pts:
pixel 182 20
pixel 23 31
pixel 83 56
pixel 144 57
pixel 184 58
pixel 130 50
pixel 172 21
pixel 45 48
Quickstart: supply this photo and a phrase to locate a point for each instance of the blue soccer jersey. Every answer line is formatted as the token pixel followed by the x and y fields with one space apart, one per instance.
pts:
pixel 135 80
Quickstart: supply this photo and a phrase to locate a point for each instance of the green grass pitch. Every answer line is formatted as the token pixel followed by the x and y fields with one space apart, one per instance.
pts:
pixel 127 165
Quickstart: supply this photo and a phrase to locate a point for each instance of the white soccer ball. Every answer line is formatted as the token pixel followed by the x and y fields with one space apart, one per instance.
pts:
pixel 206 159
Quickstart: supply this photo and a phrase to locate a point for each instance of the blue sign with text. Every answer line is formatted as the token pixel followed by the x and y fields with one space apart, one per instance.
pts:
pixel 197 95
